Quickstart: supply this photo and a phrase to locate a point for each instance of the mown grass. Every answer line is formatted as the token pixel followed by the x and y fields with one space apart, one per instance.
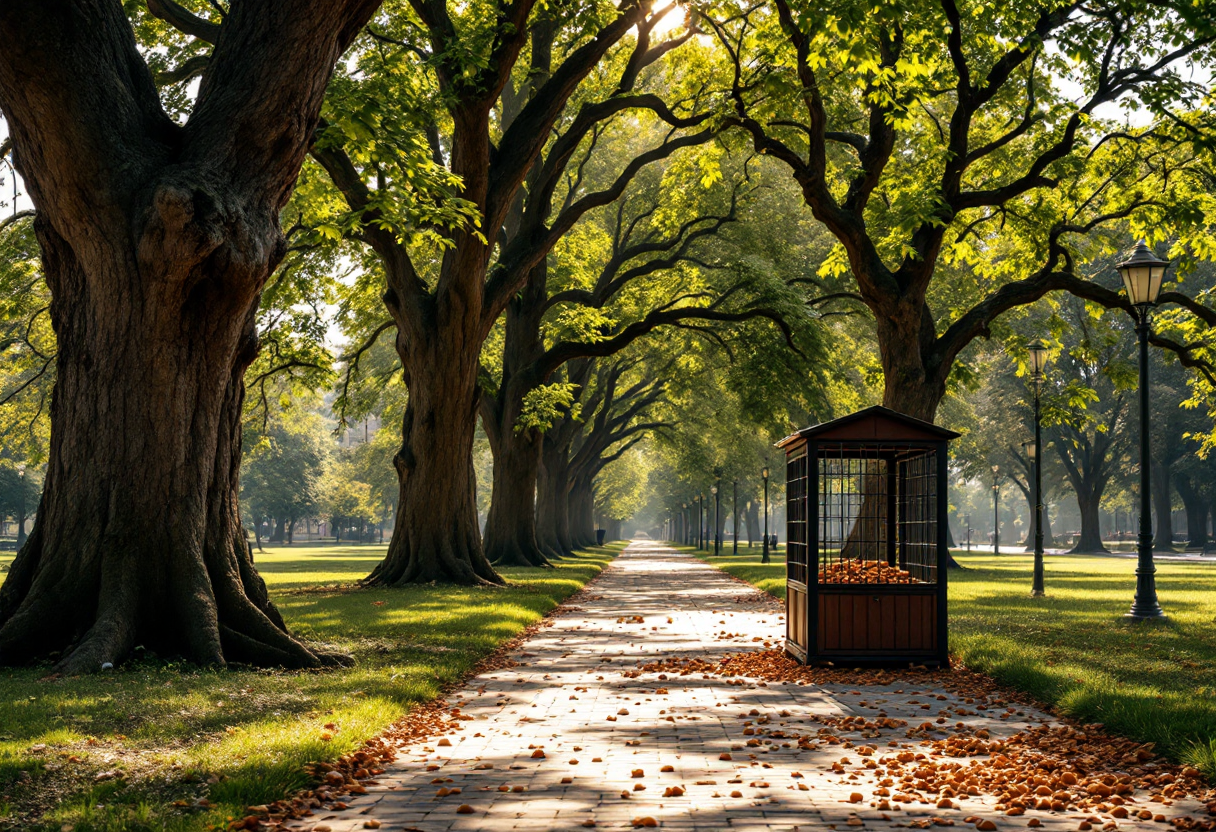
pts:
pixel 160 734
pixel 1073 649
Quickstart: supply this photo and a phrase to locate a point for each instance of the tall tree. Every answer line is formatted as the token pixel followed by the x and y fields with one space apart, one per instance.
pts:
pixel 1089 410
pixel 585 322
pixel 658 258
pixel 941 145
pixel 508 79
pixel 621 420
pixel 156 240
pixel 282 466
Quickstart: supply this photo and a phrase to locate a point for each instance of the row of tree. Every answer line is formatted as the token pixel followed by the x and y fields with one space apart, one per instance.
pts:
pixel 1091 423
pixel 525 212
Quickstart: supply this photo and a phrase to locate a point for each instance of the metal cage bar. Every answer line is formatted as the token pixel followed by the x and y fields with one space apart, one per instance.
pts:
pixel 875 514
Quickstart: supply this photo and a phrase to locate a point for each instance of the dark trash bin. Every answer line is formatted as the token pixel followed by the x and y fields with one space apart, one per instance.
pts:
pixel 600 534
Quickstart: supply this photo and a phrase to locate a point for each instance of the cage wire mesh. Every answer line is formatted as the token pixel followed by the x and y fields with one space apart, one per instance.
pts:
pixel 877 514
pixel 796 519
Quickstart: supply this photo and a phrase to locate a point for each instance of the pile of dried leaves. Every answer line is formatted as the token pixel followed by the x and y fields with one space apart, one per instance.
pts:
pixel 857 571
pixel 1059 767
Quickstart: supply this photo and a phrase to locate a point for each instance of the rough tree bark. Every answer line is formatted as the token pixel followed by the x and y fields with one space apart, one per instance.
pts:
pixel 553 478
pixel 510 536
pixel 582 513
pixel 435 468
pixel 553 501
pixel 1090 540
pixel 156 241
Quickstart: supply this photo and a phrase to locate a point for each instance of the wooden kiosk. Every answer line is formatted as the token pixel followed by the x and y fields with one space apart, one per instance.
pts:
pixel 866 537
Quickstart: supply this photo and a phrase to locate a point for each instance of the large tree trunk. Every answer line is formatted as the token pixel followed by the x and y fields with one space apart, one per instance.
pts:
pixel 1090 540
pixel 1048 538
pixel 280 527
pixel 1196 512
pixel 156 242
pixel 553 506
pixel 582 514
pixel 752 513
pixel 906 390
pixel 904 338
pixel 138 538
pixel 1163 532
pixel 510 536
pixel 436 535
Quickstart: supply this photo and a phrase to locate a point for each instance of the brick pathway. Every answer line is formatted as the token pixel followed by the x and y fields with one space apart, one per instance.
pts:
pixel 619 750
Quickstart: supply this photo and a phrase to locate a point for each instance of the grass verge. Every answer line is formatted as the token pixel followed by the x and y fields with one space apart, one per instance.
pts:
pixel 1073 649
pixel 158 746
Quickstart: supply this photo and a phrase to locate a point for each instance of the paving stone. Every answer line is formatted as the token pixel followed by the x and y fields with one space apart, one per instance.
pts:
pixel 569 696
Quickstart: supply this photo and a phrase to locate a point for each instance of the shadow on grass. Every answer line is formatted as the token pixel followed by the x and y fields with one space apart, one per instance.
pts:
pixel 167 727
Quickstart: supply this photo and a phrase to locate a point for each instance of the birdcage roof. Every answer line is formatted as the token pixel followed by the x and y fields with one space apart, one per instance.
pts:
pixel 873 424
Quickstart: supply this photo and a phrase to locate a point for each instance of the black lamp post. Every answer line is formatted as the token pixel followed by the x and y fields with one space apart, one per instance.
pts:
pixel 764 558
pixel 20 505
pixel 968 534
pixel 996 510
pixel 1038 361
pixel 716 490
pixel 735 505
pixel 1142 274
pixel 701 512
pixel 696 534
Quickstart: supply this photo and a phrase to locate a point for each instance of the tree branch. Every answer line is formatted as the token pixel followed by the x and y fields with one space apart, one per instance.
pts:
pixel 184 21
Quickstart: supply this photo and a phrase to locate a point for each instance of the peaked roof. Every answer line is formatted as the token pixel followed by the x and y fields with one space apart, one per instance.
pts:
pixel 876 423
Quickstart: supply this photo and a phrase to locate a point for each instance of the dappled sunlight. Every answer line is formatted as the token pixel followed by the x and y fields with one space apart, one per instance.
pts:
pixel 1074 648
pixel 255 729
pixel 628 707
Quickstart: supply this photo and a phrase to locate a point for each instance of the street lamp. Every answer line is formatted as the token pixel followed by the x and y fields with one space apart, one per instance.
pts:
pixel 696 520
pixel 717 492
pixel 996 510
pixel 1142 274
pixel 701 520
pixel 735 505
pixel 764 558
pixel 968 534
pixel 1038 362
pixel 20 505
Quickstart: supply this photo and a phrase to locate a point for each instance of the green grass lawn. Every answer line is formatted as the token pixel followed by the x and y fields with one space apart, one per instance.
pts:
pixel 1073 649
pixel 116 751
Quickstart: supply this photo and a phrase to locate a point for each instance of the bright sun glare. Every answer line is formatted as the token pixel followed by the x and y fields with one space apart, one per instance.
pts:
pixel 673 19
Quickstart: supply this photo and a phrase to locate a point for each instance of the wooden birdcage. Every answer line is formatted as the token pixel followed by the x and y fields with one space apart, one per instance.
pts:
pixel 866 540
